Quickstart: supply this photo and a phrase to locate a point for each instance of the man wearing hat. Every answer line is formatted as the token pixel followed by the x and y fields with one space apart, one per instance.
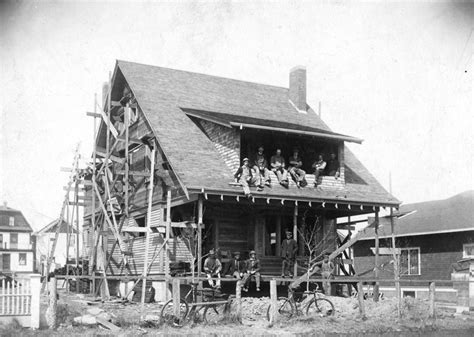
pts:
pixel 212 268
pixel 260 165
pixel 295 170
pixel 318 167
pixel 236 267
pixel 253 271
pixel 247 177
pixel 289 247
pixel 277 163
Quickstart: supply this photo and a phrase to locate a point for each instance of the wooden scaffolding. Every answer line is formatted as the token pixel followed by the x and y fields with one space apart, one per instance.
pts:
pixel 111 206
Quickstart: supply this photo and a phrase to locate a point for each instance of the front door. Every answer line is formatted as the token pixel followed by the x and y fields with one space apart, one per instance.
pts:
pixel 6 262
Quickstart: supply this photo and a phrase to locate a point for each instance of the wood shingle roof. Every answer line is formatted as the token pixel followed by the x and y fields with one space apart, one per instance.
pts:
pixel 164 95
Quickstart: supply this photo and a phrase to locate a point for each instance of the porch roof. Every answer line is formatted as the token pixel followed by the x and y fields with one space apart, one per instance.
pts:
pixel 239 121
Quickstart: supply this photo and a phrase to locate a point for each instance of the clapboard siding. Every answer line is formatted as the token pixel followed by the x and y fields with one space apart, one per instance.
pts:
pixel 178 251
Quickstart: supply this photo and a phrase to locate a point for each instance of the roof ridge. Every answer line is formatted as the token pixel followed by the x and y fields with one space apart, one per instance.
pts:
pixel 204 75
pixel 456 196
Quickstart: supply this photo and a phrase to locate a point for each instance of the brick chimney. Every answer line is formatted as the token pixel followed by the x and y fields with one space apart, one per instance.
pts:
pixel 298 87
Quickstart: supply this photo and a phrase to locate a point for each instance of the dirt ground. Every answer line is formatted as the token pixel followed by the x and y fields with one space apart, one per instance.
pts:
pixel 381 320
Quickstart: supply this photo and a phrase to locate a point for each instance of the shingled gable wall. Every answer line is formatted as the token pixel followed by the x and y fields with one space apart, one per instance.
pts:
pixel 226 141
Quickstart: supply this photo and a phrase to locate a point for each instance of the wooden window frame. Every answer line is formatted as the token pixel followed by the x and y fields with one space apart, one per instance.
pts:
pixel 19 259
pixel 409 262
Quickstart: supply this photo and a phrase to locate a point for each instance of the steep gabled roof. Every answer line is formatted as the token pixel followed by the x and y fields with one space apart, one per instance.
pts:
pixel 165 94
pixel 20 224
pixel 52 226
pixel 455 214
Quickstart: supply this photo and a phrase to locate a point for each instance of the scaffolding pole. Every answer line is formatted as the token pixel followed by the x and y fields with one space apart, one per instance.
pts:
pixel 148 223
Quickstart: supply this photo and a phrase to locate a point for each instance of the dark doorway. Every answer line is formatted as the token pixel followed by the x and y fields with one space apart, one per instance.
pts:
pixel 6 262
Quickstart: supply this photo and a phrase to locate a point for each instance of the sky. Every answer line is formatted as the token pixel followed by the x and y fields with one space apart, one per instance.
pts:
pixel 398 75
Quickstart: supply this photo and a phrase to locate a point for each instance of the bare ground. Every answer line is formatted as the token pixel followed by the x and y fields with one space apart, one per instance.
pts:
pixel 382 319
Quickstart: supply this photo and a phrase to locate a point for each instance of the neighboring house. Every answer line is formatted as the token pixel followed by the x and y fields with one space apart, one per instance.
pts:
pixel 431 236
pixel 45 239
pixel 204 126
pixel 17 246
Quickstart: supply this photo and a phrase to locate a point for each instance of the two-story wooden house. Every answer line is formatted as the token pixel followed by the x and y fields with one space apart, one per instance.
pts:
pixel 201 127
pixel 67 247
pixel 17 246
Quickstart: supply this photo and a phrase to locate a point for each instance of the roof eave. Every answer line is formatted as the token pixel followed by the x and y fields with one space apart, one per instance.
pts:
pixel 233 193
pixel 300 132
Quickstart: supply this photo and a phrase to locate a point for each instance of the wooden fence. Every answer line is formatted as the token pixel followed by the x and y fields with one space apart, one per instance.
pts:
pixel 20 300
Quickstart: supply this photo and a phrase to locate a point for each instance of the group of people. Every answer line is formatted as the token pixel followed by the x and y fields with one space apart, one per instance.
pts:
pixel 257 171
pixel 246 271
pixel 249 270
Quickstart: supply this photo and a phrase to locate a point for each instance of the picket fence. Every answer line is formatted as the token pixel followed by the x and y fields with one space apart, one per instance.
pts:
pixel 20 300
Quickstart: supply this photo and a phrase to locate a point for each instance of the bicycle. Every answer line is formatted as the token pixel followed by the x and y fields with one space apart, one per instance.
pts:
pixel 290 306
pixel 197 305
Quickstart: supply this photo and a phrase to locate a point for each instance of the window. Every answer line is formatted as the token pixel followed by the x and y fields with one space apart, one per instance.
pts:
pixel 409 293
pixel 13 240
pixel 22 259
pixel 468 250
pixel 410 261
pixel 11 221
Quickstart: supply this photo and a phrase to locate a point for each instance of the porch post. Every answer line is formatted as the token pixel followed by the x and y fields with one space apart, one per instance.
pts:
pixel 278 235
pixel 199 257
pixel 295 234
pixel 376 227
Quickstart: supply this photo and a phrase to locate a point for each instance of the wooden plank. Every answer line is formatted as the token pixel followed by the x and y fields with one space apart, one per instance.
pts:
pixel 130 140
pixel 111 157
pixel 134 173
pixel 136 230
pixel 73 203
pixel 113 130
pixel 148 223
pixel 93 114
pixel 107 324
pixel 386 250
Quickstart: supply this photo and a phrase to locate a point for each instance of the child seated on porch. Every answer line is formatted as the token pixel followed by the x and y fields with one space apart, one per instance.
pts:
pixel 212 268
pixel 253 271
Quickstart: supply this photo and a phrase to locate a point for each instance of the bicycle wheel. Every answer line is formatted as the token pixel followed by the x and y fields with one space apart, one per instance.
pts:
pixel 168 316
pixel 285 308
pixel 321 307
pixel 214 313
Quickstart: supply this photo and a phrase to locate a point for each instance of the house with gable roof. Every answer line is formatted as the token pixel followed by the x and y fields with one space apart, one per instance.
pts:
pixel 66 247
pixel 200 127
pixel 433 238
pixel 17 245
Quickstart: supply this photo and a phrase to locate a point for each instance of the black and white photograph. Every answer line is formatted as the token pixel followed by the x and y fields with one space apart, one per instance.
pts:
pixel 236 168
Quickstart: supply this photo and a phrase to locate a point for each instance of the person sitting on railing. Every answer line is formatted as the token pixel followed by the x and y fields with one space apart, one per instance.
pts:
pixel 247 177
pixel 332 167
pixel 260 165
pixel 253 271
pixel 319 167
pixel 277 163
pixel 212 268
pixel 295 170
pixel 236 267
